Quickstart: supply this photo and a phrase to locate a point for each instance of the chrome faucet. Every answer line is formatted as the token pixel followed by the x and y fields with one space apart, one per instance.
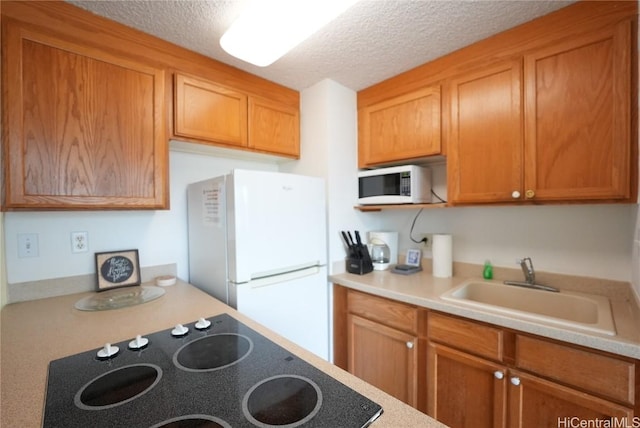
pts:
pixel 530 277
pixel 527 268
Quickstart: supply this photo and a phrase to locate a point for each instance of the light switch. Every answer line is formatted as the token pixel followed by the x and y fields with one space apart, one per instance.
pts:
pixel 28 245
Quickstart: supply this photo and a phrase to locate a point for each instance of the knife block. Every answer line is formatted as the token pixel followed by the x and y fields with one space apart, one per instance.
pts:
pixel 359 266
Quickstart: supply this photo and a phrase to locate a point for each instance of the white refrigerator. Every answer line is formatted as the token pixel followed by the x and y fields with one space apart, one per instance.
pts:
pixel 257 241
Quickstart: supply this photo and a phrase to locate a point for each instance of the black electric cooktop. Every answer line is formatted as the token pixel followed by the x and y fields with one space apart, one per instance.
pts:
pixel 219 375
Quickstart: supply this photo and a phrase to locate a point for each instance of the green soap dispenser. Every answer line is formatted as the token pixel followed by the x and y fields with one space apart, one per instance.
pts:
pixel 487 272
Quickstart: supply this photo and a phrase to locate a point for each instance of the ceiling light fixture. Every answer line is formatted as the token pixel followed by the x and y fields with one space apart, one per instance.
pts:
pixel 268 29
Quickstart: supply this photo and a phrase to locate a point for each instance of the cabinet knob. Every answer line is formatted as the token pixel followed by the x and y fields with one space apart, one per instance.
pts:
pixel 515 194
pixel 529 194
pixel 498 374
pixel 410 345
pixel 515 380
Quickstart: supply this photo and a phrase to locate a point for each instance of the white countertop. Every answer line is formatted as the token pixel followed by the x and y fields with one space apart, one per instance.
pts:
pixel 424 290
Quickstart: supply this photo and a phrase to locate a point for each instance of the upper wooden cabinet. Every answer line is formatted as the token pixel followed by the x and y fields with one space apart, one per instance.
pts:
pixel 486 144
pixel 576 139
pixel 578 117
pixel 82 128
pixel 85 103
pixel 209 112
pixel 544 112
pixel 274 127
pixel 400 128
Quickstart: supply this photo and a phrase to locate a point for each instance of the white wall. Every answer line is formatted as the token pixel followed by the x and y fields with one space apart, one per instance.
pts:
pixel 328 131
pixel 584 240
pixel 3 271
pixel 160 236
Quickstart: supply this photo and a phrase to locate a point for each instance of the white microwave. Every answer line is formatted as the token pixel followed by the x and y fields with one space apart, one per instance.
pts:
pixel 406 184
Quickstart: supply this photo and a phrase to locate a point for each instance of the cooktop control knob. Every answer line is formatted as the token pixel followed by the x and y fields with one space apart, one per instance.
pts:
pixel 179 330
pixel 138 343
pixel 203 324
pixel 108 351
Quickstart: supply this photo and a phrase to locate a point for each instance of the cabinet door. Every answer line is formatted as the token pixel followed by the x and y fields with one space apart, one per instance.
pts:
pixel 401 128
pixel 274 127
pixel 208 111
pixel 535 402
pixel 82 128
pixel 578 117
pixel 384 357
pixel 486 144
pixel 465 391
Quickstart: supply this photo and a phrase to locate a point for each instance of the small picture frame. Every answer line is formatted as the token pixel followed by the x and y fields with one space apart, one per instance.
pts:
pixel 117 269
pixel 413 257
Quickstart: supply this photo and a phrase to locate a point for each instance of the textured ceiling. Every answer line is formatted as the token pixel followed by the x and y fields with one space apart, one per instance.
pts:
pixel 372 41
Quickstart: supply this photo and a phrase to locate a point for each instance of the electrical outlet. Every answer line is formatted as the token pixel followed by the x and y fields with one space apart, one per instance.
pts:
pixel 429 244
pixel 79 242
pixel 28 245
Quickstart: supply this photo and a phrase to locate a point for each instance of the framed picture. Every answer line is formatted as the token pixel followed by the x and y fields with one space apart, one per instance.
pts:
pixel 117 269
pixel 413 258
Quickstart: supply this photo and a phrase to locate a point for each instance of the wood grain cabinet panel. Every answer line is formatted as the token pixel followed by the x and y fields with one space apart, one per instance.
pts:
pixel 486 144
pixel 208 111
pixel 464 390
pixel 394 314
pixel 535 402
pixel 82 128
pixel 579 368
pixel 540 382
pixel 401 128
pixel 384 357
pixel 382 342
pixel 569 140
pixel 480 339
pixel 578 124
pixel 274 127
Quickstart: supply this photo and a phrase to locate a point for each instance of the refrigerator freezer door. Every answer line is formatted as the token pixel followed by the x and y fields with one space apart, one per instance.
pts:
pixel 276 223
pixel 296 307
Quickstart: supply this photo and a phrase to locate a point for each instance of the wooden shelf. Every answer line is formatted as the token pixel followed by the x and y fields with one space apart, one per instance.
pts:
pixel 365 208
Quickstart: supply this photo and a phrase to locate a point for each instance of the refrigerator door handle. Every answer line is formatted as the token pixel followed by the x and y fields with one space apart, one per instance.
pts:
pixel 289 276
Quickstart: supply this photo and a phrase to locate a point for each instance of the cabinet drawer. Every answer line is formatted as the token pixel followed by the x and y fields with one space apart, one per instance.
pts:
pixel 600 374
pixel 470 336
pixel 388 312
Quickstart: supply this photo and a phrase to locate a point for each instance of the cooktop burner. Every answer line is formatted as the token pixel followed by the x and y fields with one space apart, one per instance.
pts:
pixel 226 375
pixel 213 352
pixel 118 386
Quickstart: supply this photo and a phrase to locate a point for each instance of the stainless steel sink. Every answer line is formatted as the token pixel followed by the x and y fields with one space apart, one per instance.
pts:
pixel 569 309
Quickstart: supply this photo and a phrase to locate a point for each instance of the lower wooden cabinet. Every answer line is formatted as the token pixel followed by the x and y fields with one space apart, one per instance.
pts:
pixel 562 386
pixel 465 391
pixel 534 402
pixel 384 357
pixel 381 341
pixel 471 374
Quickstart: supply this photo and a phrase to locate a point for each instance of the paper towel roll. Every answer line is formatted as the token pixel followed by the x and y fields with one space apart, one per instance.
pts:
pixel 442 255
